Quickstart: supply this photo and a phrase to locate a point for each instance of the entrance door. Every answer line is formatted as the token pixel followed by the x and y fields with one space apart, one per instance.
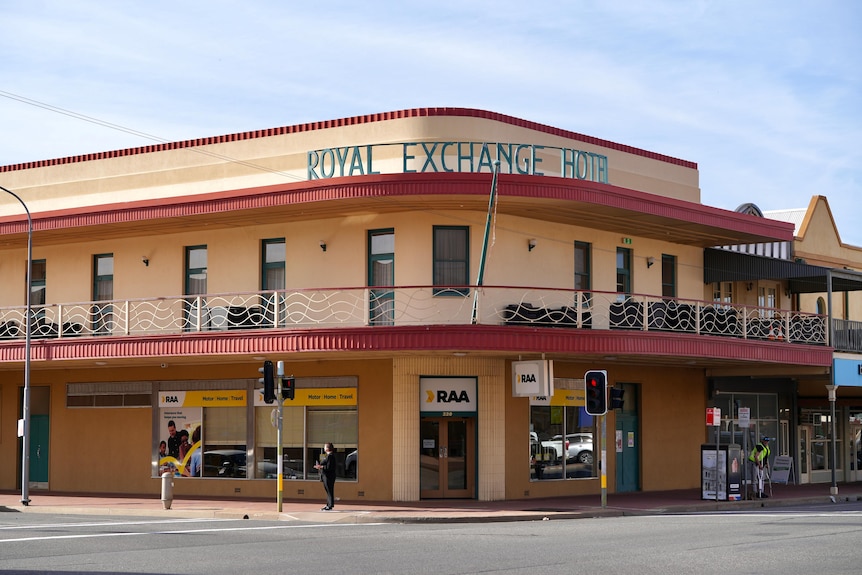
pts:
pixel 446 457
pixel 626 441
pixel 804 463
pixel 38 447
pixel 39 433
pixel 627 448
pixel 855 455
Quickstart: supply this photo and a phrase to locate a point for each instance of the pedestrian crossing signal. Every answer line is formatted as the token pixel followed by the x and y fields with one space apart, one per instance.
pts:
pixel 596 383
pixel 288 387
pixel 616 398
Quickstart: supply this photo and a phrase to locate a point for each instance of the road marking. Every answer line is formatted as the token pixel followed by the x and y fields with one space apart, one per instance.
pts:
pixel 109 523
pixel 183 531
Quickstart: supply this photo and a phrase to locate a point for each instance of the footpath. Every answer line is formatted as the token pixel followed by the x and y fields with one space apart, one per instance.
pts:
pixel 429 511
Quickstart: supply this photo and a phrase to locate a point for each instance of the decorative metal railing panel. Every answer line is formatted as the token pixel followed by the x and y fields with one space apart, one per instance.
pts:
pixel 419 305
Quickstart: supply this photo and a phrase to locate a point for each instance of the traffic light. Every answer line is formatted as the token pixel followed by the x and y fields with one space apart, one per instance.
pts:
pixel 268 382
pixel 288 386
pixel 617 398
pixel 596 383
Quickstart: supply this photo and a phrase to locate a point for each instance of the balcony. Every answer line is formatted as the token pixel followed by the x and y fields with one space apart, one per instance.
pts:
pixel 414 305
pixel 847 335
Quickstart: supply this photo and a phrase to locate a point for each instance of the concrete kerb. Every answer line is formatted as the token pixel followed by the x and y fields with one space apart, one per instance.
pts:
pixel 430 515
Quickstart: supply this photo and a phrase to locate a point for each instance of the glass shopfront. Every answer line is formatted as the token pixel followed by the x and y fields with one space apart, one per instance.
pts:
pixel 205 432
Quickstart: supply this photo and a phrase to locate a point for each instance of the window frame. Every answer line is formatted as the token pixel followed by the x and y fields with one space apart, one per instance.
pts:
pixel 436 274
pixel 668 267
pixel 624 271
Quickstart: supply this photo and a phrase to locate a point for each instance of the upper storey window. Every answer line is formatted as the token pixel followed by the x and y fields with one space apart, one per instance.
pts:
pixel 451 259
pixel 38 283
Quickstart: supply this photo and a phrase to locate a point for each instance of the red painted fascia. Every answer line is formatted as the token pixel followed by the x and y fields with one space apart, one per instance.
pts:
pixel 431 338
pixel 403 185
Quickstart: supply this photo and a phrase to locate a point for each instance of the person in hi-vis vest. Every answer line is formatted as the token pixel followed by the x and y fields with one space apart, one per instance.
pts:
pixel 759 457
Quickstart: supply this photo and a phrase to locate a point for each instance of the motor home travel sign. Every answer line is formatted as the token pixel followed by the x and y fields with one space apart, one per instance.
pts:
pixel 216 398
pixel 461 157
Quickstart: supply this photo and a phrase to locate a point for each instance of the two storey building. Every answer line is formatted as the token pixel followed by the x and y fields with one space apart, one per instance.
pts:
pixel 435 281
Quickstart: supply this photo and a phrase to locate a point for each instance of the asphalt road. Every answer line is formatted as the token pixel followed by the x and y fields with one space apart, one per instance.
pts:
pixel 810 540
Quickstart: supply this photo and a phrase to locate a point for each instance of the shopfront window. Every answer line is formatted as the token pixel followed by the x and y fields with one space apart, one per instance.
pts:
pixel 323 411
pixel 763 417
pixel 202 433
pixel 820 439
pixel 562 435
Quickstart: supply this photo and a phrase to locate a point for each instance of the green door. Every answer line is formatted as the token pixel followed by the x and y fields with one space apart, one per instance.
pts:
pixel 39 451
pixel 627 441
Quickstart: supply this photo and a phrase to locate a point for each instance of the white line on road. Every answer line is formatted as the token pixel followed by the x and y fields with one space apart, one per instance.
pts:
pixel 108 523
pixel 183 531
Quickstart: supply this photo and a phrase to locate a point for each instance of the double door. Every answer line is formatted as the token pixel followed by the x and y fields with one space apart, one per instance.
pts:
pixel 447 458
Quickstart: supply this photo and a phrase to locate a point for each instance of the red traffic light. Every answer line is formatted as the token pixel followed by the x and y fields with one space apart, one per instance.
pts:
pixel 596 382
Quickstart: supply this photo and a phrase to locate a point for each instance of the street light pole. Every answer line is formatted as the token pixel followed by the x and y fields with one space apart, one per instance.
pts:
pixel 833 491
pixel 25 431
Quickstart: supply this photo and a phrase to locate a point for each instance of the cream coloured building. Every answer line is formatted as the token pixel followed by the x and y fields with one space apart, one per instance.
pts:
pixel 400 265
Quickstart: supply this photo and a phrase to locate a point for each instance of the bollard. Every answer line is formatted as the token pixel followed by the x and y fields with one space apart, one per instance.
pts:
pixel 167 489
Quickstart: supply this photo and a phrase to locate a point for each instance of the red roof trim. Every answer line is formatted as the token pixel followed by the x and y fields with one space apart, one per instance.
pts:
pixel 392 185
pixel 425 338
pixel 351 121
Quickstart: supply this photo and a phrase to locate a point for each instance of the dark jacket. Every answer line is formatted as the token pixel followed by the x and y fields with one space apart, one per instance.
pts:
pixel 328 470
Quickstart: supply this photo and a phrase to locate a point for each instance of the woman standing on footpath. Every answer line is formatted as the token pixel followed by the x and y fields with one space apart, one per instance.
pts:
pixel 327 475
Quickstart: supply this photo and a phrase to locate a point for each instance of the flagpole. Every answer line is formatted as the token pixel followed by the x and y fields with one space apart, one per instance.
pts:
pixel 481 277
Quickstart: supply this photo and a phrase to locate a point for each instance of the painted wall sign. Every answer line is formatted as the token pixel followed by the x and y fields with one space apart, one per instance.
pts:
pixel 459 157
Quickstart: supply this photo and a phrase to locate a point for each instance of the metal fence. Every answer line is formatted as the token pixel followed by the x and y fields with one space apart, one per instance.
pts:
pixel 418 305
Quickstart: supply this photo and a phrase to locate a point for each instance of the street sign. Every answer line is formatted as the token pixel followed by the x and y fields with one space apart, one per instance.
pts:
pixel 713 416
pixel 744 417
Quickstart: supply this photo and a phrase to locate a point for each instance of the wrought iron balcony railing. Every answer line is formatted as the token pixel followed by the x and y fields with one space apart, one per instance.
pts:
pixel 412 305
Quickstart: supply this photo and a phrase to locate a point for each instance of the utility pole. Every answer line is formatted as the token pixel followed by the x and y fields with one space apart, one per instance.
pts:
pixel 25 409
pixel 279 442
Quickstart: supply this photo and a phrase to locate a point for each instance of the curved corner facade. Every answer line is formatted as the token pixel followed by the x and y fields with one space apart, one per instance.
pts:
pixel 435 281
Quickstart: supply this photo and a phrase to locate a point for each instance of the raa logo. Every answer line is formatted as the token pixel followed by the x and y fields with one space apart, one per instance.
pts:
pixel 444 396
pixel 171 399
pixel 526 377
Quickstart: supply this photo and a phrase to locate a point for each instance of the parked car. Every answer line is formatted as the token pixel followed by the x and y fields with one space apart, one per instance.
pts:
pixel 579 447
pixel 550 449
pixel 224 463
pixel 350 464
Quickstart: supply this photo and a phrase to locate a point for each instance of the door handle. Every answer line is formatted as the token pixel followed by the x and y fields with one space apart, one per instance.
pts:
pixel 38 452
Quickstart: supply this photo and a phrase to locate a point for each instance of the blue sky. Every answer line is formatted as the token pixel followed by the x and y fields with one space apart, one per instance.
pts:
pixel 765 96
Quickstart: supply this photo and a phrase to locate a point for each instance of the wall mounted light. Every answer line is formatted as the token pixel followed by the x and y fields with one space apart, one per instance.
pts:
pixel 650 261
pixel 145 260
pixel 748 286
pixel 531 243
pixel 323 245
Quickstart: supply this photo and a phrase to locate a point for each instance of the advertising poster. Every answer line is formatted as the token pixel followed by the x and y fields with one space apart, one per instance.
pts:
pixel 714 478
pixel 180 434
